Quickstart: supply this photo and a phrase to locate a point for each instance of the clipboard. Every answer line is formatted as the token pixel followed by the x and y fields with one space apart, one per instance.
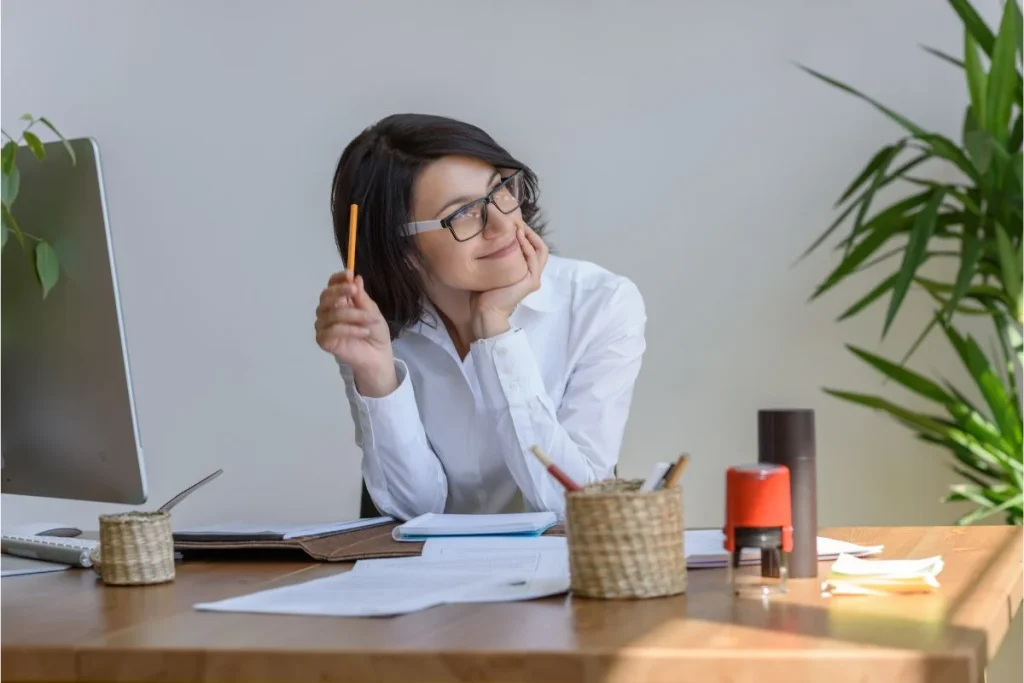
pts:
pixel 345 546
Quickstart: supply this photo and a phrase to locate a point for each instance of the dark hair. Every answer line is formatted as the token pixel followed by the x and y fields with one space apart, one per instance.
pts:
pixel 377 171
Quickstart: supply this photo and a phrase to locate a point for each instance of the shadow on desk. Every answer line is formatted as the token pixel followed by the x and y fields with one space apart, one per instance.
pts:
pixel 927 624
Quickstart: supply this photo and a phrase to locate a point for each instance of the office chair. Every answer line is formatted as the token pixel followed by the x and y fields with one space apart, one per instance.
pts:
pixel 366 507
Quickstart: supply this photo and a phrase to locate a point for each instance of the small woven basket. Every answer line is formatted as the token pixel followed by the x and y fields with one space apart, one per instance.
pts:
pixel 623 543
pixel 136 548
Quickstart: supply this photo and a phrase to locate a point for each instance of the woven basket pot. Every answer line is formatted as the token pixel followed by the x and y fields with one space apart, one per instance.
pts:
pixel 136 549
pixel 623 543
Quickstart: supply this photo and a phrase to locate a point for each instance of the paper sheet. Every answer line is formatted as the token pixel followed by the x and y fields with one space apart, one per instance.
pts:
pixel 704 549
pixel 854 576
pixel 451 570
pixel 352 594
pixel 12 565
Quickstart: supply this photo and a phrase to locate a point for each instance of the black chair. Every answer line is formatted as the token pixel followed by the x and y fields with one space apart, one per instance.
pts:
pixel 366 507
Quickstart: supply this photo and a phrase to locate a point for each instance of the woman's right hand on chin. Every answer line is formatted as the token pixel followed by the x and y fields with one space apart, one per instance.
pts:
pixel 350 327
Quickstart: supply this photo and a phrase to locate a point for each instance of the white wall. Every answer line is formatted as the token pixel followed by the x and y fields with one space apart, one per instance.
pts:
pixel 676 143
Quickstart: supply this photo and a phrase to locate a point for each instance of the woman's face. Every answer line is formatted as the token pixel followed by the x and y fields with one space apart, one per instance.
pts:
pixel 491 259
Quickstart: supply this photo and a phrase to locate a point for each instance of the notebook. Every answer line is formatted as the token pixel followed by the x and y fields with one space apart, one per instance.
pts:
pixel 516 524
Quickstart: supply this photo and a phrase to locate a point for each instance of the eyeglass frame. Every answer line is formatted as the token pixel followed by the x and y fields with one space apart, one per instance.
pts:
pixel 418 227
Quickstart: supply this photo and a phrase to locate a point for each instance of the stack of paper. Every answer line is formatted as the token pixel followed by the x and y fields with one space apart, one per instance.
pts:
pixel 450 570
pixel 432 524
pixel 854 576
pixel 704 548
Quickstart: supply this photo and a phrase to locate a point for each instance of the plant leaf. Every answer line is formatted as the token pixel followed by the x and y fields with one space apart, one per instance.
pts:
pixel 3 235
pixel 876 183
pixel 34 144
pixel 979 145
pixel 8 156
pixel 849 209
pixel 966 456
pixel 883 226
pixel 1009 261
pixel 945 148
pixel 9 185
pixel 11 224
pixel 943 56
pixel 992 390
pixel 67 145
pixel 1016 135
pixel 974 24
pixel 27 117
pixel 47 267
pixel 1002 77
pixel 868 298
pixel 970 476
pixel 882 155
pixel 911 380
pixel 938 430
pixel 984 512
pixel 971 248
pixel 917 245
pixel 977 79
pixel 934 430
pixel 905 123
pixel 944 301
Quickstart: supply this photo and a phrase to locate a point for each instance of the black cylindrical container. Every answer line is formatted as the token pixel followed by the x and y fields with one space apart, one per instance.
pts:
pixel 786 437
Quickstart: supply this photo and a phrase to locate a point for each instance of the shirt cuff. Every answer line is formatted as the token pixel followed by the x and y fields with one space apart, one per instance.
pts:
pixel 507 370
pixel 386 418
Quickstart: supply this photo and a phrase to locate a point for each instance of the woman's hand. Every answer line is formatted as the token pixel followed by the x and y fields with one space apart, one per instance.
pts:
pixel 350 327
pixel 491 309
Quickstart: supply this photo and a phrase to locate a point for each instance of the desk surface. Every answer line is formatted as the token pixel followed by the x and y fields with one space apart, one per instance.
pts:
pixel 68 626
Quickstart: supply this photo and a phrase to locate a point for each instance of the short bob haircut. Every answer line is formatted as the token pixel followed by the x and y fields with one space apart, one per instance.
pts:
pixel 377 171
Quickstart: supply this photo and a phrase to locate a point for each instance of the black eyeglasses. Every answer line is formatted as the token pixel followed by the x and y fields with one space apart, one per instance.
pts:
pixel 468 221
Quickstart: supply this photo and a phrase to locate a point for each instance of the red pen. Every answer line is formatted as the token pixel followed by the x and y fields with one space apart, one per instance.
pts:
pixel 557 473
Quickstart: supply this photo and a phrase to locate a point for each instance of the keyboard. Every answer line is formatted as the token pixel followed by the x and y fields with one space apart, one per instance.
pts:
pixel 72 551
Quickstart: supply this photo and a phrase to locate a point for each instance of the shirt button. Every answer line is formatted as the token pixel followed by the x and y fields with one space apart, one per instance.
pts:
pixel 514 386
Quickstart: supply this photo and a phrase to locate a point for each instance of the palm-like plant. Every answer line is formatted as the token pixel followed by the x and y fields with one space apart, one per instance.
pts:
pixel 976 220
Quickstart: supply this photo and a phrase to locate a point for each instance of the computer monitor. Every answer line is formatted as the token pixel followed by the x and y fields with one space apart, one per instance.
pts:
pixel 68 422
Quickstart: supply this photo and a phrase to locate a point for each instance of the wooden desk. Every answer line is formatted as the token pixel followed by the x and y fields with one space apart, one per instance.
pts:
pixel 67 626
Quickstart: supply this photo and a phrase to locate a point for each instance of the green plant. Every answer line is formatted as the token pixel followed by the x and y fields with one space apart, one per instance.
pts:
pixel 44 256
pixel 976 221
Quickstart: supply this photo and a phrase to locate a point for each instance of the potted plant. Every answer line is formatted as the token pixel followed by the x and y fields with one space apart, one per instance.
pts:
pixel 43 255
pixel 976 221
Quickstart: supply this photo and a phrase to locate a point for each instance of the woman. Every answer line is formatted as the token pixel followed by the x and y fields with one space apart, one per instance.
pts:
pixel 462 342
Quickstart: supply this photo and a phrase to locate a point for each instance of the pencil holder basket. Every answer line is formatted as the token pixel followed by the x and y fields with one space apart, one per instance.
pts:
pixel 136 549
pixel 623 543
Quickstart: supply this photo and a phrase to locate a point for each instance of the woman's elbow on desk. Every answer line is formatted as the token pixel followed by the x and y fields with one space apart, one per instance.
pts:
pixel 407 504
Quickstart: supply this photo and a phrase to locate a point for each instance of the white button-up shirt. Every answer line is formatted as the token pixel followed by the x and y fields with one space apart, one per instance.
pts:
pixel 455 436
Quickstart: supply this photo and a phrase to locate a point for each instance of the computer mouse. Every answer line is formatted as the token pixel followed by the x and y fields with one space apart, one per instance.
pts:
pixel 45 529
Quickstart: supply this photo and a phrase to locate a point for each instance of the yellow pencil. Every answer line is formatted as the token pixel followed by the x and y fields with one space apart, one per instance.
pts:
pixel 673 477
pixel 353 218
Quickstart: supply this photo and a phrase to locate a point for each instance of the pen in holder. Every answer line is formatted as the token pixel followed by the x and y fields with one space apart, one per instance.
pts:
pixel 137 548
pixel 624 543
